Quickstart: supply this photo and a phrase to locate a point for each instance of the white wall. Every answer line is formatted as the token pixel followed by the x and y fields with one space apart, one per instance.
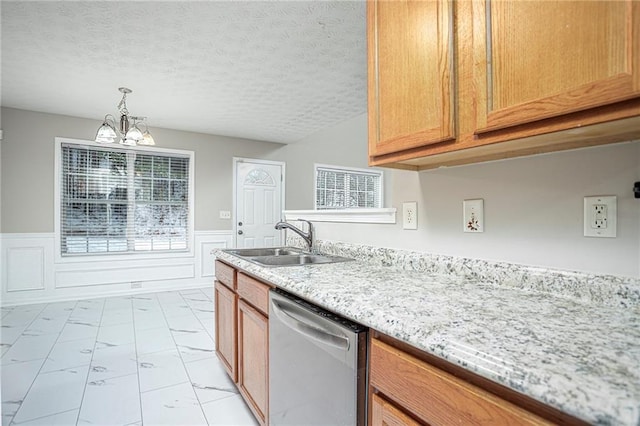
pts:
pixel 340 145
pixel 29 271
pixel 533 205
pixel 28 161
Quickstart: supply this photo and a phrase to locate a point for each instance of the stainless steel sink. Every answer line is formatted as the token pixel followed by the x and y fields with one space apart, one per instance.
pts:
pixel 284 256
pixel 268 251
pixel 295 260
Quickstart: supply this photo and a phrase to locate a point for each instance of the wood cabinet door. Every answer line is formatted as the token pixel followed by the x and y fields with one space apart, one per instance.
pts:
pixel 410 70
pixel 253 359
pixel 435 396
pixel 226 303
pixel 384 413
pixel 542 59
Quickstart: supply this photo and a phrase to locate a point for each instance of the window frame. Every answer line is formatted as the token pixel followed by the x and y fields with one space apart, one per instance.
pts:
pixel 98 257
pixel 377 172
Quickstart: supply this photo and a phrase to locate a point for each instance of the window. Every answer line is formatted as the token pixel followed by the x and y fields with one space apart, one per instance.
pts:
pixel 115 200
pixel 346 188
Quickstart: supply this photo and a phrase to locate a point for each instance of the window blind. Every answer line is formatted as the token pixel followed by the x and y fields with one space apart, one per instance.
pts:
pixel 119 201
pixel 338 188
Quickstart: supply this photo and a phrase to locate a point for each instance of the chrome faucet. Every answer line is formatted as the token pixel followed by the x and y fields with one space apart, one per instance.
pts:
pixel 308 237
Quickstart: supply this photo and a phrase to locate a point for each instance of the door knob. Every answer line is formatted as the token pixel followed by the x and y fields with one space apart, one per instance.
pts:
pixel 240 232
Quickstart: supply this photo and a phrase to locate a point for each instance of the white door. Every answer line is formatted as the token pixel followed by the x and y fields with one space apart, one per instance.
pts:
pixel 259 202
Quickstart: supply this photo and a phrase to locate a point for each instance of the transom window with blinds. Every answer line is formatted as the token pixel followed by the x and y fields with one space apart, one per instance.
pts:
pixel 347 188
pixel 115 200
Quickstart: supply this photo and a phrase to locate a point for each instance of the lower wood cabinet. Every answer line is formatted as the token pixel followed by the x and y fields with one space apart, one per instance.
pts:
pixel 405 390
pixel 253 359
pixel 242 335
pixel 226 306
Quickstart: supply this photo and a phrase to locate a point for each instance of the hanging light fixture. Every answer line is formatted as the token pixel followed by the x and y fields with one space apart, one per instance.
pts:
pixel 130 133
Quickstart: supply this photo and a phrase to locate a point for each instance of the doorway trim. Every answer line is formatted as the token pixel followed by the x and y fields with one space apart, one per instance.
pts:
pixel 283 191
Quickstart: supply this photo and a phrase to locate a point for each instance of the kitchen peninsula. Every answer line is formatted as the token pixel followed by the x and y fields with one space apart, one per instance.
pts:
pixel 570 341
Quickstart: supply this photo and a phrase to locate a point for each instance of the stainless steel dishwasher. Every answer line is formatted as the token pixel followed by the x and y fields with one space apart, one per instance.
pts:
pixel 317 365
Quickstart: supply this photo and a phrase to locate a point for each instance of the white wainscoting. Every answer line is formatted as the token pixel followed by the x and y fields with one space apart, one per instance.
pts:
pixel 24 266
pixel 30 273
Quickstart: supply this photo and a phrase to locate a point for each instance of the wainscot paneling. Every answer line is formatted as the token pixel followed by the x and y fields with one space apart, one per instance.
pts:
pixel 207 266
pixel 24 262
pixel 121 272
pixel 25 268
pixel 31 273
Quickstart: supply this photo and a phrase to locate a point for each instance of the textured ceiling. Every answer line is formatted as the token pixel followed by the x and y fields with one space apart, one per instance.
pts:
pixel 269 70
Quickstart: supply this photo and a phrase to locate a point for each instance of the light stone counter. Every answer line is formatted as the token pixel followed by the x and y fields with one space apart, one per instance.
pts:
pixel 569 340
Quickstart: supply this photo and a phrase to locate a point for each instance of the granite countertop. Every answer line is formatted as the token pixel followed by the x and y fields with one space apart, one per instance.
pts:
pixel 569 340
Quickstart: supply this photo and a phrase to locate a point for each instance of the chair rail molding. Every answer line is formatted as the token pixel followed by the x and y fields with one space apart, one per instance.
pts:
pixel 31 274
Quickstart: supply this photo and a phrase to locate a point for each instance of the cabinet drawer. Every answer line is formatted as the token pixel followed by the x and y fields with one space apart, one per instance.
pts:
pixel 385 413
pixel 437 397
pixel 226 274
pixel 255 292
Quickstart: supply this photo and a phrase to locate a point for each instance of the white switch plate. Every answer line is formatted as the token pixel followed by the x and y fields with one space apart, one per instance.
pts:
pixel 410 215
pixel 473 214
pixel 600 216
pixel 225 214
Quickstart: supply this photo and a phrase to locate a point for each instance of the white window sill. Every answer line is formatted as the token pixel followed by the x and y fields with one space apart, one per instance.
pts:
pixel 346 215
pixel 95 258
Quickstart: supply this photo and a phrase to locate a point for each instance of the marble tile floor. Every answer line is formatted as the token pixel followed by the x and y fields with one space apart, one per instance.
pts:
pixel 145 359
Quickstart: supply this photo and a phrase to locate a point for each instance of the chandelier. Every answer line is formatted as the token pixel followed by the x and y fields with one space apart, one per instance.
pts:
pixel 128 130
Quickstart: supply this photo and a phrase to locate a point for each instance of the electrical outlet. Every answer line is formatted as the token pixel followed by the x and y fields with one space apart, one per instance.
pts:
pixel 473 215
pixel 225 214
pixel 410 215
pixel 600 216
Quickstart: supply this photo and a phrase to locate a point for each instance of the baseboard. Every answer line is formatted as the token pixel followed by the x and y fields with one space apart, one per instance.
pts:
pixel 54 298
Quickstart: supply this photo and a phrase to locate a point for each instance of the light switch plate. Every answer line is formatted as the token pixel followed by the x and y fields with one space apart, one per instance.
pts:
pixel 473 215
pixel 600 214
pixel 225 214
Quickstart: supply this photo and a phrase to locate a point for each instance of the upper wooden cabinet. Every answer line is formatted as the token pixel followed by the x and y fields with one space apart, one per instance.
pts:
pixel 410 74
pixel 466 81
pixel 540 60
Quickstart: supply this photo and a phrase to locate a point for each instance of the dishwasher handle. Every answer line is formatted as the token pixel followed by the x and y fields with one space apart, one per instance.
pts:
pixel 312 329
